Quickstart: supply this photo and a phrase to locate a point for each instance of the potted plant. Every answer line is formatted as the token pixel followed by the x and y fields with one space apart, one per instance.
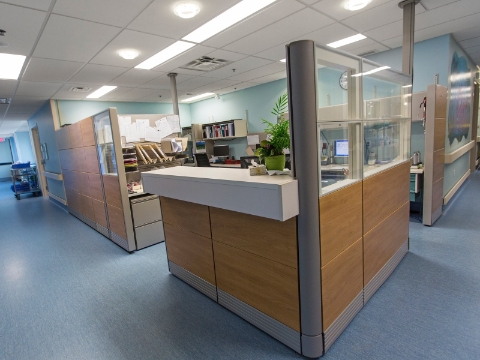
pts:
pixel 278 137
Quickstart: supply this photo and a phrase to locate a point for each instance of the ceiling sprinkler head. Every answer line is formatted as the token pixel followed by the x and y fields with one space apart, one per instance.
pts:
pixel 2 32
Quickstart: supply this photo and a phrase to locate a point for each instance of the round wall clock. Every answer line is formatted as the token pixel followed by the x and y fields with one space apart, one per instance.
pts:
pixel 343 81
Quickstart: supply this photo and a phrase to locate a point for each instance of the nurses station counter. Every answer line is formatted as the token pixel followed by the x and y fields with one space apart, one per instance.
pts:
pixel 299 256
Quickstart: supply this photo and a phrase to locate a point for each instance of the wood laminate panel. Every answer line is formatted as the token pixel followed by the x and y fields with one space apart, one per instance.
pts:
pixel 73 199
pixel 86 127
pixel 341 221
pixel 82 183
pixel 112 191
pixel 87 207
pixel 266 285
pixel 66 159
pixel 79 159
pixel 95 187
pixel 75 135
pixel 437 195
pixel 69 179
pixel 117 221
pixel 91 160
pixel 63 138
pixel 384 193
pixel 438 164
pixel 383 241
pixel 439 140
pixel 190 251
pixel 271 239
pixel 100 213
pixel 342 281
pixel 189 216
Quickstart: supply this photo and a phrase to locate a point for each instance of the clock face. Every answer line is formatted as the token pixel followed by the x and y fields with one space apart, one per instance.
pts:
pixel 343 81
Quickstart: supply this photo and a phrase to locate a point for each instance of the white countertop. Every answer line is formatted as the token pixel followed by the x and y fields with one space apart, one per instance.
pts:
pixel 274 197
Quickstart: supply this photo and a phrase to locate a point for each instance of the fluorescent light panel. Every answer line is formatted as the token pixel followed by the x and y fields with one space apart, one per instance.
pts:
pixel 226 19
pixel 347 41
pixel 372 71
pixel 100 92
pixel 283 60
pixel 11 66
pixel 198 97
pixel 165 55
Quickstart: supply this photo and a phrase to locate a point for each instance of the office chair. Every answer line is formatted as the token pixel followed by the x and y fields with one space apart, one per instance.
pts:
pixel 202 160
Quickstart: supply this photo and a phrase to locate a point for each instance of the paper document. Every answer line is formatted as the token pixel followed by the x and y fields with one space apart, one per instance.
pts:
pixel 163 127
pixel 142 125
pixel 107 132
pixel 123 121
pixel 176 146
pixel 174 122
pixel 131 133
pixel 253 139
pixel 153 135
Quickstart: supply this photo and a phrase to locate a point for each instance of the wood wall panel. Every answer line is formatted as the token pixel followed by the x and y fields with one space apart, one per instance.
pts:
pixel 438 164
pixel 190 251
pixel 66 159
pixel 81 183
pixel 342 281
pixel 95 187
pixel 62 137
pixel 112 190
pixel 439 141
pixel 341 221
pixel 117 221
pixel 79 159
pixel 87 207
pixel 91 160
pixel 75 135
pixel 192 217
pixel 437 195
pixel 264 284
pixel 88 136
pixel 100 213
pixel 73 201
pixel 69 180
pixel 384 193
pixel 271 239
pixel 383 241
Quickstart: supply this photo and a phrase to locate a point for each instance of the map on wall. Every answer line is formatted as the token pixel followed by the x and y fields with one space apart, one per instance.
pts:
pixel 460 104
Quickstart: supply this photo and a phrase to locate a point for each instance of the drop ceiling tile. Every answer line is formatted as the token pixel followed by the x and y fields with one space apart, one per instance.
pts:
pixel 22 26
pixel 241 66
pixel 386 31
pixel 275 53
pixel 163 82
pixel 432 4
pixel 51 70
pixel 134 94
pixel 23 109
pixel 216 86
pixel 466 44
pixel 184 58
pixel 73 40
pixel 34 4
pixel 330 34
pixel 157 96
pixel 351 47
pixel 309 2
pixel 64 92
pixel 43 89
pixel 268 16
pixel 298 24
pixel 110 12
pixel 447 27
pixel 159 19
pixel 114 93
pixel 23 104
pixel 227 55
pixel 135 77
pixel 24 116
pixel 93 74
pixel 270 78
pixel 146 45
pixel 393 42
pixel 7 88
pixel 238 87
pixel 466 34
pixel 446 13
pixel 375 47
pixel 252 75
pixel 336 8
pixel 377 16
pixel 195 82
pixel 187 72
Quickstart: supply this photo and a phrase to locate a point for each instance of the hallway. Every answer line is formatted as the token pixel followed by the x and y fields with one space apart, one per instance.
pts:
pixel 66 292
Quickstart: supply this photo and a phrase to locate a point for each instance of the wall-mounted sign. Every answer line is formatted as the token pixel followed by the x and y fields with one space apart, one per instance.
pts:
pixel 2 139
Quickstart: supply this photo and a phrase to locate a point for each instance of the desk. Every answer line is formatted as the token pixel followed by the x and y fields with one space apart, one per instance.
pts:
pixel 227 166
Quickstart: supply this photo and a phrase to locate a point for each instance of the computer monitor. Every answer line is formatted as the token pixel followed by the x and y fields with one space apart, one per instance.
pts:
pixel 221 150
pixel 341 147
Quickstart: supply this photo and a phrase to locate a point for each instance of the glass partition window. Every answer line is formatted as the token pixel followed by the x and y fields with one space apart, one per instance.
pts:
pixel 340 155
pixel 105 146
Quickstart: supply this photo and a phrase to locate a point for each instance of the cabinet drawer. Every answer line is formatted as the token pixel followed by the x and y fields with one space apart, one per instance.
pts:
pixel 146 211
pixel 149 234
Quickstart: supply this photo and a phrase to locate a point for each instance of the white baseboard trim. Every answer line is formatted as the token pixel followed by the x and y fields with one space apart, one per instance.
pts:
pixel 457 186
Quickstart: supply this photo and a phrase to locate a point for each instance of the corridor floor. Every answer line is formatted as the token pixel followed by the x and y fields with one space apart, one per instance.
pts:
pixel 66 292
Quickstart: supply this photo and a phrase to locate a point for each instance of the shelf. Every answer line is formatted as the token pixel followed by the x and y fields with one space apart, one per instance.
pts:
pixel 225 138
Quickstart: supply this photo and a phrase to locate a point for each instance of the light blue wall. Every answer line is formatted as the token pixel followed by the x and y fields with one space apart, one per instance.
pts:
pixel 258 100
pixel 24 147
pixel 44 121
pixel 71 111
pixel 14 148
pixel 329 84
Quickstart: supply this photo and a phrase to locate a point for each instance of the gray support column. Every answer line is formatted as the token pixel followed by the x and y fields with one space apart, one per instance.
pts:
pixel 408 7
pixel 173 85
pixel 302 95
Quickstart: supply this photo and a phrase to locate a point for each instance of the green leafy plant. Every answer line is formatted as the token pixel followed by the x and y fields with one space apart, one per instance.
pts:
pixel 278 136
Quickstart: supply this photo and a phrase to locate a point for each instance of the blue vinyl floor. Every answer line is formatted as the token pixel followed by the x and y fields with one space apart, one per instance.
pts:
pixel 66 292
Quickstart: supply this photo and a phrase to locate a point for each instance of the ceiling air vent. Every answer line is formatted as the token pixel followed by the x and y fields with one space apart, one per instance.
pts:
pixel 81 89
pixel 205 64
pixel 5 101
pixel 368 53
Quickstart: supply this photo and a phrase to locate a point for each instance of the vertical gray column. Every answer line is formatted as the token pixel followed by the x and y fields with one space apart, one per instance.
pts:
pixel 302 95
pixel 173 85
pixel 408 7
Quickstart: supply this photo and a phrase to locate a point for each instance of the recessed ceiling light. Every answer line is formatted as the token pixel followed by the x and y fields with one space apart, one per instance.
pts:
pixel 186 10
pixel 128 54
pixel 10 66
pixel 283 60
pixel 100 92
pixel 407 86
pixel 347 41
pixel 372 71
pixel 354 5
pixel 198 97
pixel 226 19
pixel 165 55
